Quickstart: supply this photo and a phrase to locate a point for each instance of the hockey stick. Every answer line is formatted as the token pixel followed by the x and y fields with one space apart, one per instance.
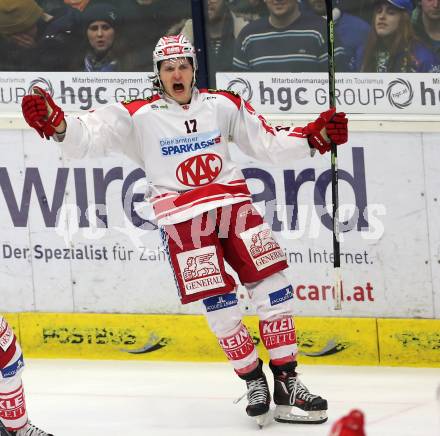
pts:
pixel 334 156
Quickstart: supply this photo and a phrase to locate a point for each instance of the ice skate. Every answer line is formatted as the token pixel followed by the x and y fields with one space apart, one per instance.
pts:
pixel 290 393
pixel 28 430
pixel 3 431
pixel 258 395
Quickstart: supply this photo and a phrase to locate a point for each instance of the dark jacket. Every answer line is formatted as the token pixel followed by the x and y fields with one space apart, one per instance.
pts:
pixel 420 31
pixel 57 41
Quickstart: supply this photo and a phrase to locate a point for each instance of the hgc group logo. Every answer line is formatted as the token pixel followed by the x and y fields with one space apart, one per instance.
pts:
pixel 242 87
pixel 400 93
pixel 42 83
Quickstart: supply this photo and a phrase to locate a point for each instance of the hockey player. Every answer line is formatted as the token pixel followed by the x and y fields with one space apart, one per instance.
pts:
pixel 203 206
pixel 13 415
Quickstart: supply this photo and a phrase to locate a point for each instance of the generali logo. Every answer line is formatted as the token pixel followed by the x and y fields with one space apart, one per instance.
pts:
pixel 261 245
pixel 200 270
pixel 262 242
pixel 200 266
pixel 199 170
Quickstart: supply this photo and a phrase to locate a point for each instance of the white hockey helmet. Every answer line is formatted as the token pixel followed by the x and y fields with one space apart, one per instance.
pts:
pixel 171 47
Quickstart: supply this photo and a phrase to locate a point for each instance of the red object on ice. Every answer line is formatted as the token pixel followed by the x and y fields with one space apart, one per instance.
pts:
pixel 349 425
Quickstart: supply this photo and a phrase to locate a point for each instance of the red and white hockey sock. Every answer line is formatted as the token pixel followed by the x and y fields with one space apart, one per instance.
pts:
pixel 240 349
pixel 12 404
pixel 279 338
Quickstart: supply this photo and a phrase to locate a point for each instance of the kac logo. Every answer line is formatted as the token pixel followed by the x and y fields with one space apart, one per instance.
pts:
pixel 242 87
pixel 400 93
pixel 199 170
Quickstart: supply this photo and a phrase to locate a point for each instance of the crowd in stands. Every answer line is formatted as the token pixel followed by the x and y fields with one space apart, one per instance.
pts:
pixel 244 35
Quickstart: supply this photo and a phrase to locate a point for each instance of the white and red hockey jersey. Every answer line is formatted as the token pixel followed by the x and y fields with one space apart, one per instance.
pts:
pixel 7 344
pixel 184 148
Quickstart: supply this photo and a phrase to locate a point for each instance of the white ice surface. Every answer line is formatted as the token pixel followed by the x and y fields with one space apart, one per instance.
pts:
pixel 115 398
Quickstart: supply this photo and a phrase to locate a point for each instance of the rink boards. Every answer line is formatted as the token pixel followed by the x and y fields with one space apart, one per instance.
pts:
pixel 75 235
pixel 332 341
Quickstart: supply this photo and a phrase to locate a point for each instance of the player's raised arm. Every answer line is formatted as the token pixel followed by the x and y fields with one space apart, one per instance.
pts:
pixel 96 133
pixel 281 144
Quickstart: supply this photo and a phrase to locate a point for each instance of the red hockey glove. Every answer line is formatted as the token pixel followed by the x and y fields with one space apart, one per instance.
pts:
pixel 41 112
pixel 337 128
pixel 329 126
pixel 349 425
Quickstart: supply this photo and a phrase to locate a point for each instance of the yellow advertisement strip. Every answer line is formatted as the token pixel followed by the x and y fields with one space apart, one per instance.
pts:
pixel 409 342
pixel 332 341
pixel 118 336
pixel 185 337
pixel 13 320
pixel 338 341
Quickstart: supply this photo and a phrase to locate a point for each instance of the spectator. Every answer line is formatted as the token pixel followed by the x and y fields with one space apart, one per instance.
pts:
pixel 351 32
pixel 427 24
pixel 147 20
pixel 249 10
pixel 49 5
pixel 286 40
pixel 60 37
pixel 105 47
pixel 19 22
pixel 77 4
pixel 222 29
pixel 392 45
pixel 33 40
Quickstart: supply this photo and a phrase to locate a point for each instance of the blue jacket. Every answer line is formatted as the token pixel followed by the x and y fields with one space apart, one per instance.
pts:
pixel 351 33
pixel 423 60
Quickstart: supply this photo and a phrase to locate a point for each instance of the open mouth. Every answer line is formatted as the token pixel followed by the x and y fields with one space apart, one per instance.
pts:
pixel 178 87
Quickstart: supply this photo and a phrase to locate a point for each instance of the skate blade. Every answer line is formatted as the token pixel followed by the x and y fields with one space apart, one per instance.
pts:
pixel 263 420
pixel 286 414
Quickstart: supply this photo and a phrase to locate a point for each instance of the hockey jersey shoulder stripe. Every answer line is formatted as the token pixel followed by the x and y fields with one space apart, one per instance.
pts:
pixel 134 105
pixel 230 95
